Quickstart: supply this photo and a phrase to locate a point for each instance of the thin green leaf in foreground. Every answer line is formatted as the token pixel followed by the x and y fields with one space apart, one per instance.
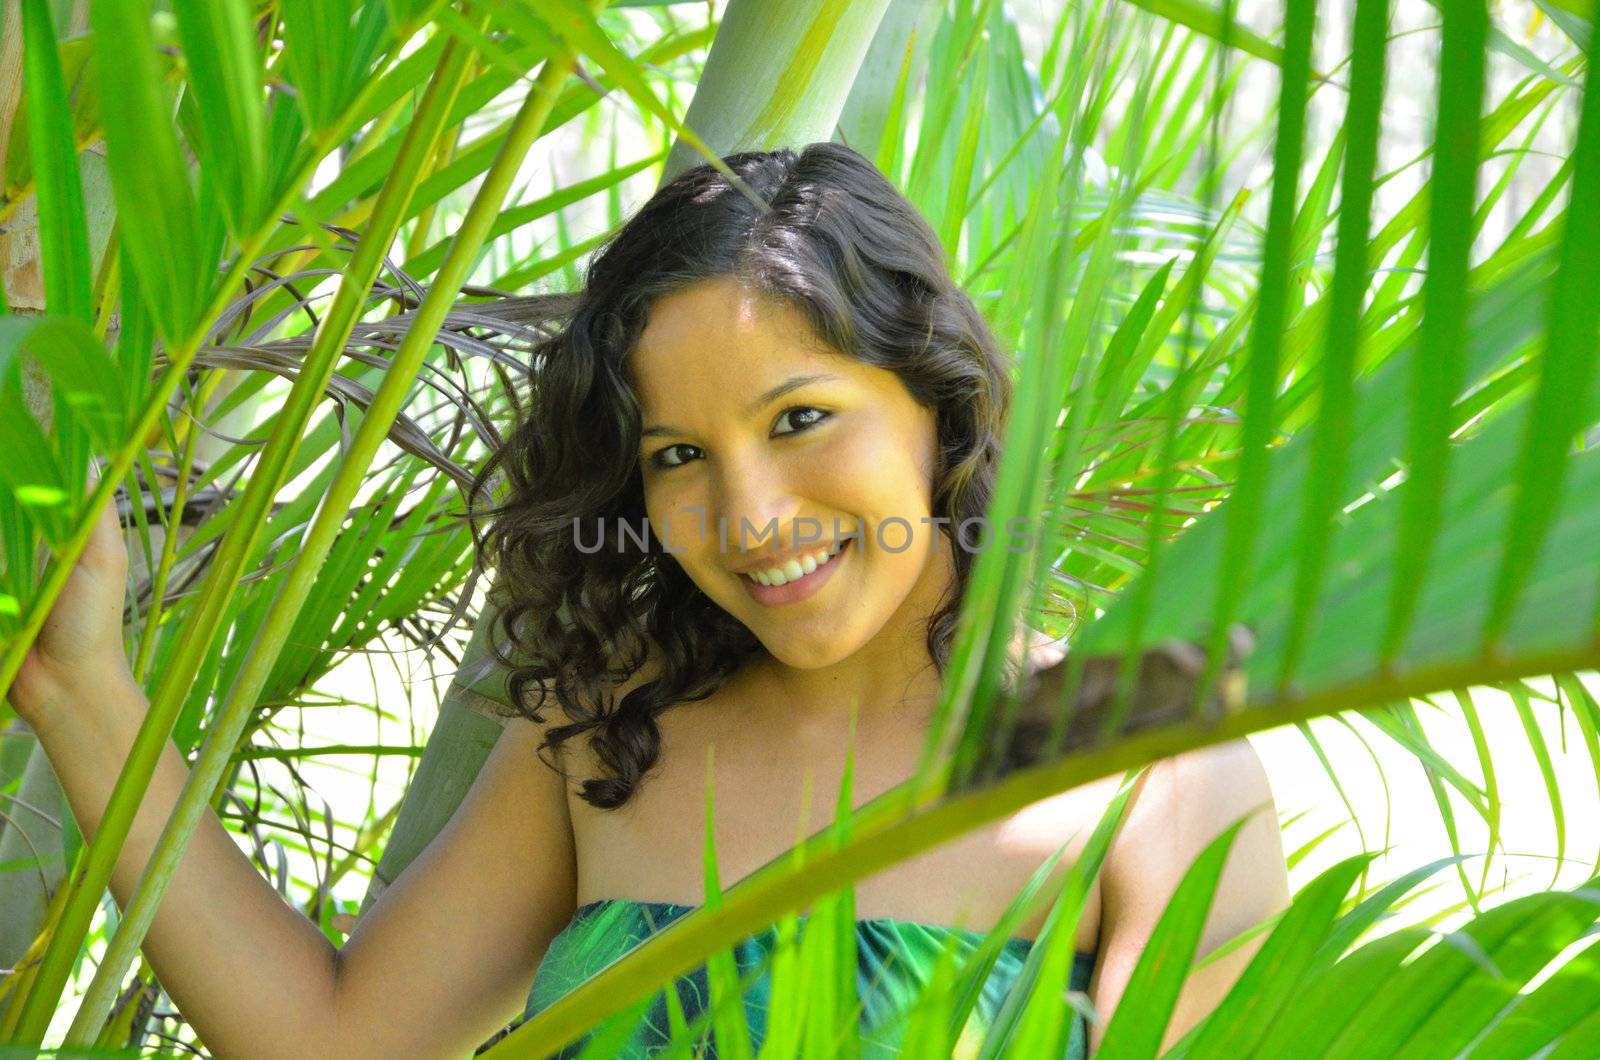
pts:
pixel 1562 405
pixel 965 991
pixel 722 972
pixel 1244 507
pixel 1212 22
pixel 1325 486
pixel 63 232
pixel 1031 1018
pixel 225 73
pixel 1440 366
pixel 156 209
pixel 1435 1004
pixel 1236 1026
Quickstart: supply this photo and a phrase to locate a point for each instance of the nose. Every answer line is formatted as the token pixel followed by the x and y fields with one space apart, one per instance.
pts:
pixel 756 504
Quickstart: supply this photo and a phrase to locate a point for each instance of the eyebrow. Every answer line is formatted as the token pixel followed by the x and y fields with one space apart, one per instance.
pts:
pixel 792 383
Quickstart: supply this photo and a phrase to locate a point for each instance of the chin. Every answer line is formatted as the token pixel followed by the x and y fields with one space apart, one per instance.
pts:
pixel 808 657
pixel 809 645
pixel 805 660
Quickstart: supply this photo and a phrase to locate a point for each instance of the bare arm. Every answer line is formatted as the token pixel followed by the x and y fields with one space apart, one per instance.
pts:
pixel 1184 803
pixel 441 961
pixel 252 974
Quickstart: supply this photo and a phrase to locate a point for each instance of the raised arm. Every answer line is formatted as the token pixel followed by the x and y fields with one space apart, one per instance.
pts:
pixel 250 973
pixel 440 962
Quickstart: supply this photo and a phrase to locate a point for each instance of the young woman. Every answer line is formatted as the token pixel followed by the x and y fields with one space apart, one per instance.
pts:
pixel 729 516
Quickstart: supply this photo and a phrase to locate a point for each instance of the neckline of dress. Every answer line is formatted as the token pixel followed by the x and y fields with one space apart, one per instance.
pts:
pixel 888 920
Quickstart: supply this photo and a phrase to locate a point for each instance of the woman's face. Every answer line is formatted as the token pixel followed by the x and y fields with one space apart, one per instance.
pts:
pixel 750 422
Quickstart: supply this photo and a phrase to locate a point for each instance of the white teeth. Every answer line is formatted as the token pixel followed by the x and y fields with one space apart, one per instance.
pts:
pixel 795 568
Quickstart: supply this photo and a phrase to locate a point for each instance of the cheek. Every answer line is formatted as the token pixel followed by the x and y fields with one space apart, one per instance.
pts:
pixel 879 479
pixel 873 458
pixel 664 504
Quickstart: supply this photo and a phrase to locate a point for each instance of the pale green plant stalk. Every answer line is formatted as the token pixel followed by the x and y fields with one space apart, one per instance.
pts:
pixel 777 75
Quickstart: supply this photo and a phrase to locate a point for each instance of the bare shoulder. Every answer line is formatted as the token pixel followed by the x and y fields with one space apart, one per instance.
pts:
pixel 481 903
pixel 1210 787
pixel 1179 807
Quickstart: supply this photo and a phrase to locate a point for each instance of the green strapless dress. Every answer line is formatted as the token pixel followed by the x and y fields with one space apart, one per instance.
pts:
pixel 895 960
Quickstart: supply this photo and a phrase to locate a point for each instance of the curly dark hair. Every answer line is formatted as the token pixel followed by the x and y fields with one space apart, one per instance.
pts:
pixel 829 236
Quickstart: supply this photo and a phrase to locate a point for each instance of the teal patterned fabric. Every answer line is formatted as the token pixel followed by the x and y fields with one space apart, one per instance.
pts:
pixel 896 959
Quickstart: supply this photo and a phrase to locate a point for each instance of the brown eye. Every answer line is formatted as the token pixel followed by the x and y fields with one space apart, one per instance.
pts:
pixel 659 458
pixel 821 415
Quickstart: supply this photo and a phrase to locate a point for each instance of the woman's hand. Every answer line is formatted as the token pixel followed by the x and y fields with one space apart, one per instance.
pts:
pixel 80 645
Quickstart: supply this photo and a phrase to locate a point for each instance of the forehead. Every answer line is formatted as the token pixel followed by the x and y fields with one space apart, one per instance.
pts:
pixel 723 330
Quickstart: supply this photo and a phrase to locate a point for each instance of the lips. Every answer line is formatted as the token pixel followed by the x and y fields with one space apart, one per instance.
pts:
pixel 795 591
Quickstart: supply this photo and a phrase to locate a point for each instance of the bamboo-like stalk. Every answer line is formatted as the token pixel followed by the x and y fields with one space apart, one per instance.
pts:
pixel 777 74
pixel 119 1029
pixel 170 540
pixel 234 714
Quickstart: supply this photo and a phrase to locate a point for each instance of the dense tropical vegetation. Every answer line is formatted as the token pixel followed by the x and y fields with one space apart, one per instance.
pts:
pixel 1357 421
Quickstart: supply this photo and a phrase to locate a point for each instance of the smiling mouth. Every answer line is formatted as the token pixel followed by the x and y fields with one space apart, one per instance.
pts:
pixel 750 576
pixel 803 588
